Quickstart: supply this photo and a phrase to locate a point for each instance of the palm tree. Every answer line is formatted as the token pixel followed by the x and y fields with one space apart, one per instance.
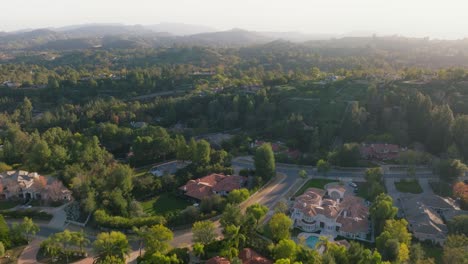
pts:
pixel 323 242
pixel 79 239
pixel 113 244
pixel 141 233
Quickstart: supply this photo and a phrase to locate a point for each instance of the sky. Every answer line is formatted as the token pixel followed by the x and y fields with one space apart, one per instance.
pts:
pixel 419 18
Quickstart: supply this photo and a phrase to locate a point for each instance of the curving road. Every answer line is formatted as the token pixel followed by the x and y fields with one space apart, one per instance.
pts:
pixel 278 188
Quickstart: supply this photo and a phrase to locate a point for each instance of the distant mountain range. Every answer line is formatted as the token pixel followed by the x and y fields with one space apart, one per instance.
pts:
pixel 134 36
pixel 118 36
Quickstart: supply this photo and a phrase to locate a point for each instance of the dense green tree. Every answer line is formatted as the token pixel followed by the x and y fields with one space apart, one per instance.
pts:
pixel 265 162
pixel 323 167
pixel 458 225
pixel 4 232
pixel 26 229
pixel 449 170
pixel 39 156
pixel 280 226
pixel 257 211
pixel 285 249
pixel 232 215
pixel 393 242
pixel 198 249
pixel 374 181
pixel 237 196
pixel 460 134
pixel 204 232
pixel 157 239
pixel 302 174
pixel 202 152
pixel 347 155
pixel 455 249
pixel 419 108
pixel 382 210
pixel 417 253
pixel 110 245
pixel 440 131
pixel 120 177
pixel 26 110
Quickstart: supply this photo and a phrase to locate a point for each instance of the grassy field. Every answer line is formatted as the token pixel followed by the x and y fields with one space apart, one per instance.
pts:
pixel 408 186
pixel 164 203
pixel 314 183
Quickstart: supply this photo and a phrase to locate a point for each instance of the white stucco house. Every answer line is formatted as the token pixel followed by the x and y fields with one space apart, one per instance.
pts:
pixel 332 212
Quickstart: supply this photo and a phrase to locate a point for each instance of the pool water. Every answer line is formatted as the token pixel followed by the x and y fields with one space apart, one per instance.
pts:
pixel 312 241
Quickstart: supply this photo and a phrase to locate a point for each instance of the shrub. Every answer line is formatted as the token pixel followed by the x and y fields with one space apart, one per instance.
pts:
pixel 119 222
pixel 27 213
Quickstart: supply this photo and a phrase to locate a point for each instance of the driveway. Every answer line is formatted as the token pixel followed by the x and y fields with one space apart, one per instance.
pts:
pixel 28 256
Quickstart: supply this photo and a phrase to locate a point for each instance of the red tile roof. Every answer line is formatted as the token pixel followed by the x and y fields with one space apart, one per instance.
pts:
pixel 380 151
pixel 229 183
pixel 249 256
pixel 209 184
pixel 218 260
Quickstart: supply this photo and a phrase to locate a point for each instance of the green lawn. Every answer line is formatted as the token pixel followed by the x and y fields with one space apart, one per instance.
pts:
pixel 314 183
pixel 141 171
pixel 408 186
pixel 8 204
pixel 164 203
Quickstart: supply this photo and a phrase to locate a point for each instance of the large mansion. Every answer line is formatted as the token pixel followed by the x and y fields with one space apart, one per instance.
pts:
pixel 30 185
pixel 213 184
pixel 380 151
pixel 332 212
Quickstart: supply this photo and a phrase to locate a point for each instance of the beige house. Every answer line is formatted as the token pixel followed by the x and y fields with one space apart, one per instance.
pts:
pixel 30 185
pixel 331 212
pixel 425 215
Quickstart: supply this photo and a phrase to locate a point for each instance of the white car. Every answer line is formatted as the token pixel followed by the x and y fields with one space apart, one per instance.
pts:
pixel 352 184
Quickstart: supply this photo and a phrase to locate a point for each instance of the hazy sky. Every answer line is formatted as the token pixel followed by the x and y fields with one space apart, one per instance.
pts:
pixel 434 18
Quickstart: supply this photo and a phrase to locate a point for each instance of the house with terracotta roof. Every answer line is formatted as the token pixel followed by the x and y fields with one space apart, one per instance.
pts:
pixel 380 151
pixel 332 212
pixel 213 184
pixel 250 256
pixel 218 260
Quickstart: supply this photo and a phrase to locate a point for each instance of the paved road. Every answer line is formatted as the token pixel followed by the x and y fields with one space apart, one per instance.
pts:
pixel 268 196
pixel 28 256
pixel 272 192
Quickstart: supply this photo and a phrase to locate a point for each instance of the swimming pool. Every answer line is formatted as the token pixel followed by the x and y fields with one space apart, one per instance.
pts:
pixel 311 241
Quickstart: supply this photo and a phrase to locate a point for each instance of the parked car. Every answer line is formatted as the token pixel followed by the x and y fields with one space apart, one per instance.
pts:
pixel 352 184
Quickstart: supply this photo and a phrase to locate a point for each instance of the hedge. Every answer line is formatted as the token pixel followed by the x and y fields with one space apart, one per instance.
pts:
pixel 123 223
pixel 27 213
